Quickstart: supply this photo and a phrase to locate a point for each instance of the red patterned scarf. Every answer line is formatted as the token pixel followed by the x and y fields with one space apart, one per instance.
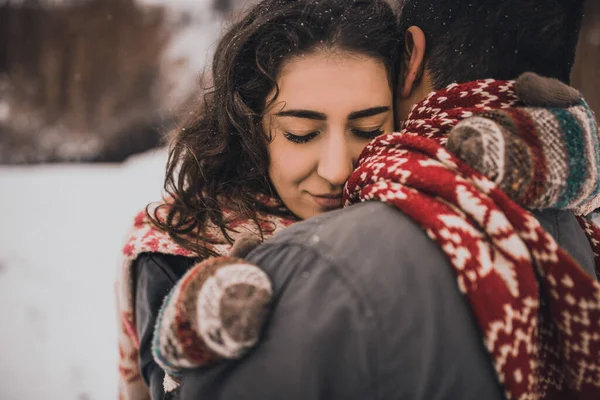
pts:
pixel 538 311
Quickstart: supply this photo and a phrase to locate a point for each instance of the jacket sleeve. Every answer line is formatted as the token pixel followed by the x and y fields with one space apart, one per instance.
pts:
pixel 365 306
pixel 155 275
pixel 308 346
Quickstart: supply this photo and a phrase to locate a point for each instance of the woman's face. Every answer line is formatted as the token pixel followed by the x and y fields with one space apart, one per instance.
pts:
pixel 330 105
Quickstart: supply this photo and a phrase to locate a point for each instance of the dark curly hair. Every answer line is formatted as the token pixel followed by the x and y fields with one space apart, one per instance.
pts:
pixel 219 157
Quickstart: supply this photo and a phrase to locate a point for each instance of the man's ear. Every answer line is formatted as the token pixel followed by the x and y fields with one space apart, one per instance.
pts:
pixel 412 60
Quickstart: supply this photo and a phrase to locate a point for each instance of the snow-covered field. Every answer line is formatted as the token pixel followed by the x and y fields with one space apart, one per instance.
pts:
pixel 62 228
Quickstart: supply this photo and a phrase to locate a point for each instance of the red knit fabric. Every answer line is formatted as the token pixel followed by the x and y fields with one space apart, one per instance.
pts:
pixel 192 344
pixel 538 311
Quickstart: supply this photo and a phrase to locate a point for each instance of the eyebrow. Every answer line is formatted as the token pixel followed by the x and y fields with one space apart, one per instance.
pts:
pixel 308 114
pixel 303 114
pixel 369 112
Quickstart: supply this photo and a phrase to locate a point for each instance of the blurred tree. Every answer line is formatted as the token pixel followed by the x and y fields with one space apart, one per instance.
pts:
pixel 79 81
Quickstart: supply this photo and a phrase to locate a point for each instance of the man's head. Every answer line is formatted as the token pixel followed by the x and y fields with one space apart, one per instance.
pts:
pixel 450 41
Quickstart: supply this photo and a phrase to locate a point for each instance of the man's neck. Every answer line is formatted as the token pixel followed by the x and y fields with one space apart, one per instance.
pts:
pixel 419 92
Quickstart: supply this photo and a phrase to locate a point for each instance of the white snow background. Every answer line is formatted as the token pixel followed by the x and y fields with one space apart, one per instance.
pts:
pixel 61 230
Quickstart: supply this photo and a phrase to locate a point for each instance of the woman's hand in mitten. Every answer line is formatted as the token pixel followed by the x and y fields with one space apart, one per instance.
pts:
pixel 216 311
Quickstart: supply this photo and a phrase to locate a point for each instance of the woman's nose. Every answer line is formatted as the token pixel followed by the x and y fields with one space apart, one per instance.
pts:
pixel 336 162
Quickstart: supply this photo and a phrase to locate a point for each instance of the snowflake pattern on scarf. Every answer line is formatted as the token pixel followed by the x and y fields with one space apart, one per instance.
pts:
pixel 538 311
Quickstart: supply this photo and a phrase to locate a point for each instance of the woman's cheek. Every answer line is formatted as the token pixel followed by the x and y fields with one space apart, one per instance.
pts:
pixel 293 162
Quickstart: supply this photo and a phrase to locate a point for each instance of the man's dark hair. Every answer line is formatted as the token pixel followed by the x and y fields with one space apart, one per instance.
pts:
pixel 479 39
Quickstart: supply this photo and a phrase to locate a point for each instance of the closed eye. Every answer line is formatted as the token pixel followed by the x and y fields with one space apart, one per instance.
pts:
pixel 301 138
pixel 372 134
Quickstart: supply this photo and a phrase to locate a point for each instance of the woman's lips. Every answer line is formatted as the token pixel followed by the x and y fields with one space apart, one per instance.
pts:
pixel 328 200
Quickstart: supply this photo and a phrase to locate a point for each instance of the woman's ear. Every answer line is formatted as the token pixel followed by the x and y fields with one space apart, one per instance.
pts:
pixel 412 60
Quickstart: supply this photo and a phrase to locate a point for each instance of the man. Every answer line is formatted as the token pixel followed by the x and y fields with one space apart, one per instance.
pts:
pixel 366 305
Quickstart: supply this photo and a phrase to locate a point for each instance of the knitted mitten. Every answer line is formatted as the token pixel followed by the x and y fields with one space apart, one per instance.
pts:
pixel 543 155
pixel 216 311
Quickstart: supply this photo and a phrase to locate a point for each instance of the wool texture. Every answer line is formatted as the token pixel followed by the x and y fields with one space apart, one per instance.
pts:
pixel 561 136
pixel 538 311
pixel 216 311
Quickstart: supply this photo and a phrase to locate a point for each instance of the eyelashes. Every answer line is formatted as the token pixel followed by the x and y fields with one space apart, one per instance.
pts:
pixel 300 139
pixel 307 138
pixel 368 134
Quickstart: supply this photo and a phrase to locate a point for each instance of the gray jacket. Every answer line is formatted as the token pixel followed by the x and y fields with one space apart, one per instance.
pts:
pixel 366 307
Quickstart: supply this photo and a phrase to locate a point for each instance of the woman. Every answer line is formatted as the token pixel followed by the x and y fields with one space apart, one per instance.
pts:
pixel 300 88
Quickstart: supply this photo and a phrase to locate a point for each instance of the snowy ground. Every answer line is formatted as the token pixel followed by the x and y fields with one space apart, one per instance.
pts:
pixel 62 227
